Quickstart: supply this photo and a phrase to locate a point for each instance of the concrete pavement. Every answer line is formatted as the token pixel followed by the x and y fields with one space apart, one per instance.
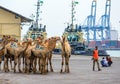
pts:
pixel 80 73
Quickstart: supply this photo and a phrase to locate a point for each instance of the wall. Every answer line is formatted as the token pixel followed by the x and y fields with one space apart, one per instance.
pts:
pixel 10 24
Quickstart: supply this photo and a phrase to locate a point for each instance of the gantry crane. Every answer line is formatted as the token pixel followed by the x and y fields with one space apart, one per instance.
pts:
pixel 102 29
pixel 104 22
pixel 89 24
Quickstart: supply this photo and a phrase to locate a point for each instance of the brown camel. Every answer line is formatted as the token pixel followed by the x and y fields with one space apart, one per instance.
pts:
pixel 1 52
pixel 27 55
pixel 9 52
pixel 18 54
pixel 66 53
pixel 3 42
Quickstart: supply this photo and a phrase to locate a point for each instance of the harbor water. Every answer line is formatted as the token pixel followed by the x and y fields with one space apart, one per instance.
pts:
pixel 114 53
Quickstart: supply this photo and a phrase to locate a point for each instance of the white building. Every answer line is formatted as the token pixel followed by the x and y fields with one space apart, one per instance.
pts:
pixel 114 35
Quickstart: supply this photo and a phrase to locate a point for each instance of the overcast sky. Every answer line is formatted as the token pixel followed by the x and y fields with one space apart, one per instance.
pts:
pixel 56 13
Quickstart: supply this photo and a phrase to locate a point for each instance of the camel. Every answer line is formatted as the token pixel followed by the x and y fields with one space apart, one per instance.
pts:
pixel 19 54
pixel 1 52
pixel 42 55
pixel 27 55
pixel 66 53
pixel 3 42
pixel 50 44
pixel 16 50
pixel 41 52
pixel 8 53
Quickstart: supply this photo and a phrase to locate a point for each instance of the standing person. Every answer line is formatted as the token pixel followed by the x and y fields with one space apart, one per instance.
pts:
pixel 95 59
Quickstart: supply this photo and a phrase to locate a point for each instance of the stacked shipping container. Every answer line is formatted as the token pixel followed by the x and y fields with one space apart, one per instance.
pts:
pixel 104 44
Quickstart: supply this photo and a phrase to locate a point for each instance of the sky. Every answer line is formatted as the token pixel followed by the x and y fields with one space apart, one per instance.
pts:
pixel 56 13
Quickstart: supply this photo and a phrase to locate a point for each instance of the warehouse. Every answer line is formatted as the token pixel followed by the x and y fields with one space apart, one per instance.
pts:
pixel 10 23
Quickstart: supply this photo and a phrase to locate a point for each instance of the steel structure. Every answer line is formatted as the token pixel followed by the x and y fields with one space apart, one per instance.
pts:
pixel 101 31
pixel 89 24
pixel 104 22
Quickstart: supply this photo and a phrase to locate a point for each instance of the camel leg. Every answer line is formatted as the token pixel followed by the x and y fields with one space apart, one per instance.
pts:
pixel 7 65
pixel 67 65
pixel 62 64
pixel 5 62
pixel 28 65
pixel 19 64
pixel 44 63
pixel 39 63
pixel 11 62
pixel 51 69
pixel 35 63
pixel 47 64
pixel 15 63
pixel 0 61
pixel 23 63
pixel 31 64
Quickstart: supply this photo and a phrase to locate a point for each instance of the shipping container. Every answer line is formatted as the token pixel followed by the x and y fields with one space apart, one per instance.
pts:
pixel 105 44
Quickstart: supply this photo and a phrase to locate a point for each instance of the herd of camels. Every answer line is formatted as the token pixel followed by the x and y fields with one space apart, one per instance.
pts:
pixel 29 54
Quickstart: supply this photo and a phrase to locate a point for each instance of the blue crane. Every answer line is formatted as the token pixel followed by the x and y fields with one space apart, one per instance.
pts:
pixel 103 28
pixel 104 22
pixel 89 24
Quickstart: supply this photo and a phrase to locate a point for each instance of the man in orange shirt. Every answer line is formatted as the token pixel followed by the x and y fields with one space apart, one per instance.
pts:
pixel 95 59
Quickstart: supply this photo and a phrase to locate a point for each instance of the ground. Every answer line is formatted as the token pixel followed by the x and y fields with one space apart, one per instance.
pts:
pixel 80 73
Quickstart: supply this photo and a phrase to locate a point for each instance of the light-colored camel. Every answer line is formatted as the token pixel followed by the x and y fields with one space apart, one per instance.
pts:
pixel 50 44
pixel 66 53
pixel 15 50
pixel 41 52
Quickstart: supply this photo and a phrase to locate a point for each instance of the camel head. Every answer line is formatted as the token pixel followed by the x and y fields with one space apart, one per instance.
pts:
pixel 55 39
pixel 64 39
pixel 39 40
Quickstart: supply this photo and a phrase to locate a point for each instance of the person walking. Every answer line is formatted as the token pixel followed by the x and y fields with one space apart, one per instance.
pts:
pixel 95 59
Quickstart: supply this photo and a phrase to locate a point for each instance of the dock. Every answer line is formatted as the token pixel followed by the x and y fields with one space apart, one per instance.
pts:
pixel 80 73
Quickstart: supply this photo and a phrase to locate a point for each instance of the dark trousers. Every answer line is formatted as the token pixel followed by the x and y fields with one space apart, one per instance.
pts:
pixel 96 61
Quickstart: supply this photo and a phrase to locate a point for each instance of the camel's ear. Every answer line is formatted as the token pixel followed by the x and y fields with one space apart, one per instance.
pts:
pixel 3 35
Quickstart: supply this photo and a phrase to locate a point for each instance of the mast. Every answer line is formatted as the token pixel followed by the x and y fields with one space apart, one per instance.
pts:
pixel 39 3
pixel 73 13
